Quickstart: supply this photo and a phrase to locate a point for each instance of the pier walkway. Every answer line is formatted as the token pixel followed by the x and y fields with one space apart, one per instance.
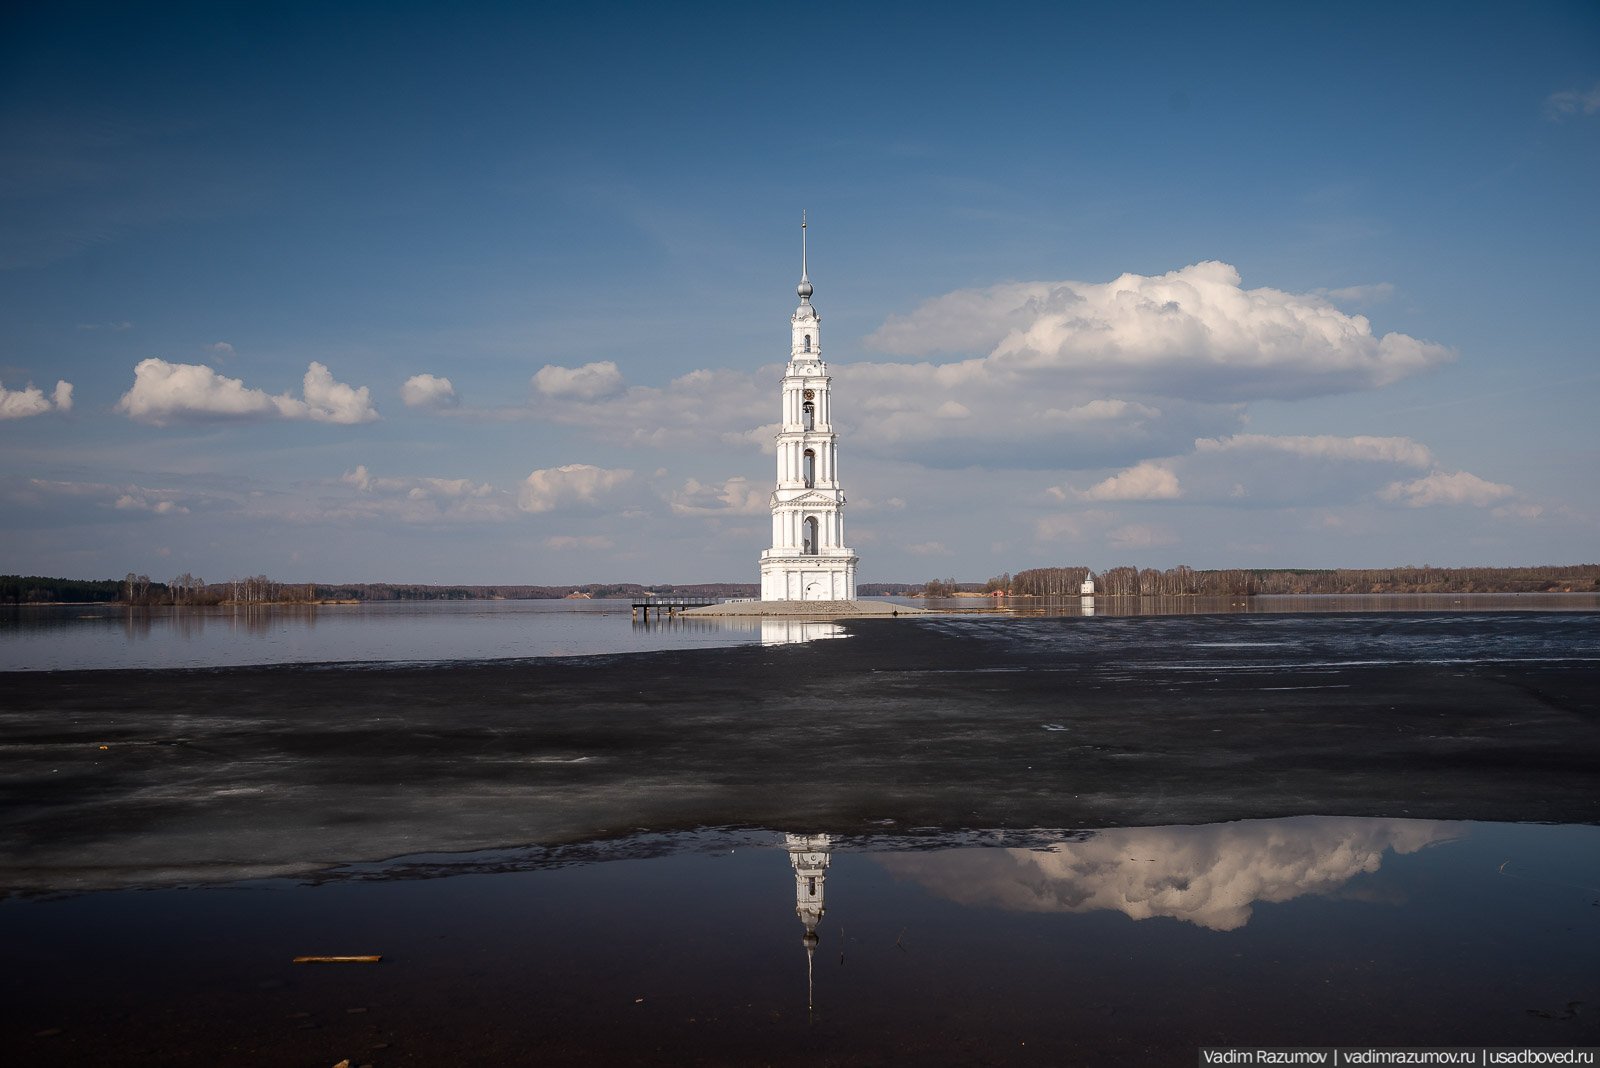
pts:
pixel 670 606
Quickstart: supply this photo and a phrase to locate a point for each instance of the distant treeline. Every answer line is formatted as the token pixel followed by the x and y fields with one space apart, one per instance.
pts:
pixel 1578 578
pixel 186 589
pixel 1185 581
pixel 15 589
pixel 889 589
pixel 385 591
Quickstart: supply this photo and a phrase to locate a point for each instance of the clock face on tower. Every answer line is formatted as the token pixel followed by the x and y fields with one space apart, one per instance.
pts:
pixel 811 394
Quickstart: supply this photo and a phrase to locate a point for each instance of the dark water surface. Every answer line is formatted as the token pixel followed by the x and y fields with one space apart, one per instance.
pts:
pixel 1125 946
pixel 1036 840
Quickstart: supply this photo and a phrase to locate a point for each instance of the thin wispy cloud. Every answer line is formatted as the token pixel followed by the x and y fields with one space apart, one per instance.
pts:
pixel 1359 296
pixel 125 497
pixel 733 496
pixel 562 543
pixel 1573 103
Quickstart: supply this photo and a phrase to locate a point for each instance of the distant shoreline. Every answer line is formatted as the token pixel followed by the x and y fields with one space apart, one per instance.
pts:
pixel 964 595
pixel 1039 582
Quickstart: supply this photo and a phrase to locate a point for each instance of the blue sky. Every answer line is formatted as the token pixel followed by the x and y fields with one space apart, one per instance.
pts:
pixel 1226 286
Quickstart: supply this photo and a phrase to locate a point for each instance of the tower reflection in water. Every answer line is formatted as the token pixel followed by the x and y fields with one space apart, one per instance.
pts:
pixel 808 856
pixel 1210 876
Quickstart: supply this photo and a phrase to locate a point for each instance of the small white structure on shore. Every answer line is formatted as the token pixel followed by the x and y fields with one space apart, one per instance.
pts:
pixel 808 560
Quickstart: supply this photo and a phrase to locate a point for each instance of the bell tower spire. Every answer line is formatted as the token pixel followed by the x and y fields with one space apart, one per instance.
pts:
pixel 804 288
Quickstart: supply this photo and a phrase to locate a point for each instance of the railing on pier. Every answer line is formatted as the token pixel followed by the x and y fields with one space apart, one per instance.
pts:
pixel 670 606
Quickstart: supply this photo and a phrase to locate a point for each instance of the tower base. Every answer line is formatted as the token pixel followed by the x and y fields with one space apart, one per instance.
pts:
pixel 808 578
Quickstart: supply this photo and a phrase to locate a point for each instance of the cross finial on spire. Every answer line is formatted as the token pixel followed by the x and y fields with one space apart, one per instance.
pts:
pixel 804 288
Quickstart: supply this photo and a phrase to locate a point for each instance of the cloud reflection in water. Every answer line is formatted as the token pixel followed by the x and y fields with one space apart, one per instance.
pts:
pixel 1208 875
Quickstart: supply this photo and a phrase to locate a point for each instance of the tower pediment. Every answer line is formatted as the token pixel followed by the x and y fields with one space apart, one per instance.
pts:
pixel 816 497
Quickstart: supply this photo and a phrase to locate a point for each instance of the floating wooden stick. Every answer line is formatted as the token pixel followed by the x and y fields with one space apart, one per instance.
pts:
pixel 372 959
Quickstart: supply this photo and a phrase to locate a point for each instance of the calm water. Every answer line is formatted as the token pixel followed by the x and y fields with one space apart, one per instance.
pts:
pixel 64 637
pixel 105 636
pixel 1130 946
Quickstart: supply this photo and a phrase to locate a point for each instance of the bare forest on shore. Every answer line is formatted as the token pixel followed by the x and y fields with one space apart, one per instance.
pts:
pixel 1184 581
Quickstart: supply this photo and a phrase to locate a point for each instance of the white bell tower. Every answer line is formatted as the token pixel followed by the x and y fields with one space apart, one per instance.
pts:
pixel 808 560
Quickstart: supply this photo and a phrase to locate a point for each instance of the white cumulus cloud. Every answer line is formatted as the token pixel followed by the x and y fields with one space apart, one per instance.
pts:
pixel 1147 481
pixel 552 488
pixel 1191 332
pixel 328 401
pixel 30 400
pixel 592 381
pixel 1460 487
pixel 428 391
pixel 164 392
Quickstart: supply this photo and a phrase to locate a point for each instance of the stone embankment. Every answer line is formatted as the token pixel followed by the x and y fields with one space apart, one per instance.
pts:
pixel 807 609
